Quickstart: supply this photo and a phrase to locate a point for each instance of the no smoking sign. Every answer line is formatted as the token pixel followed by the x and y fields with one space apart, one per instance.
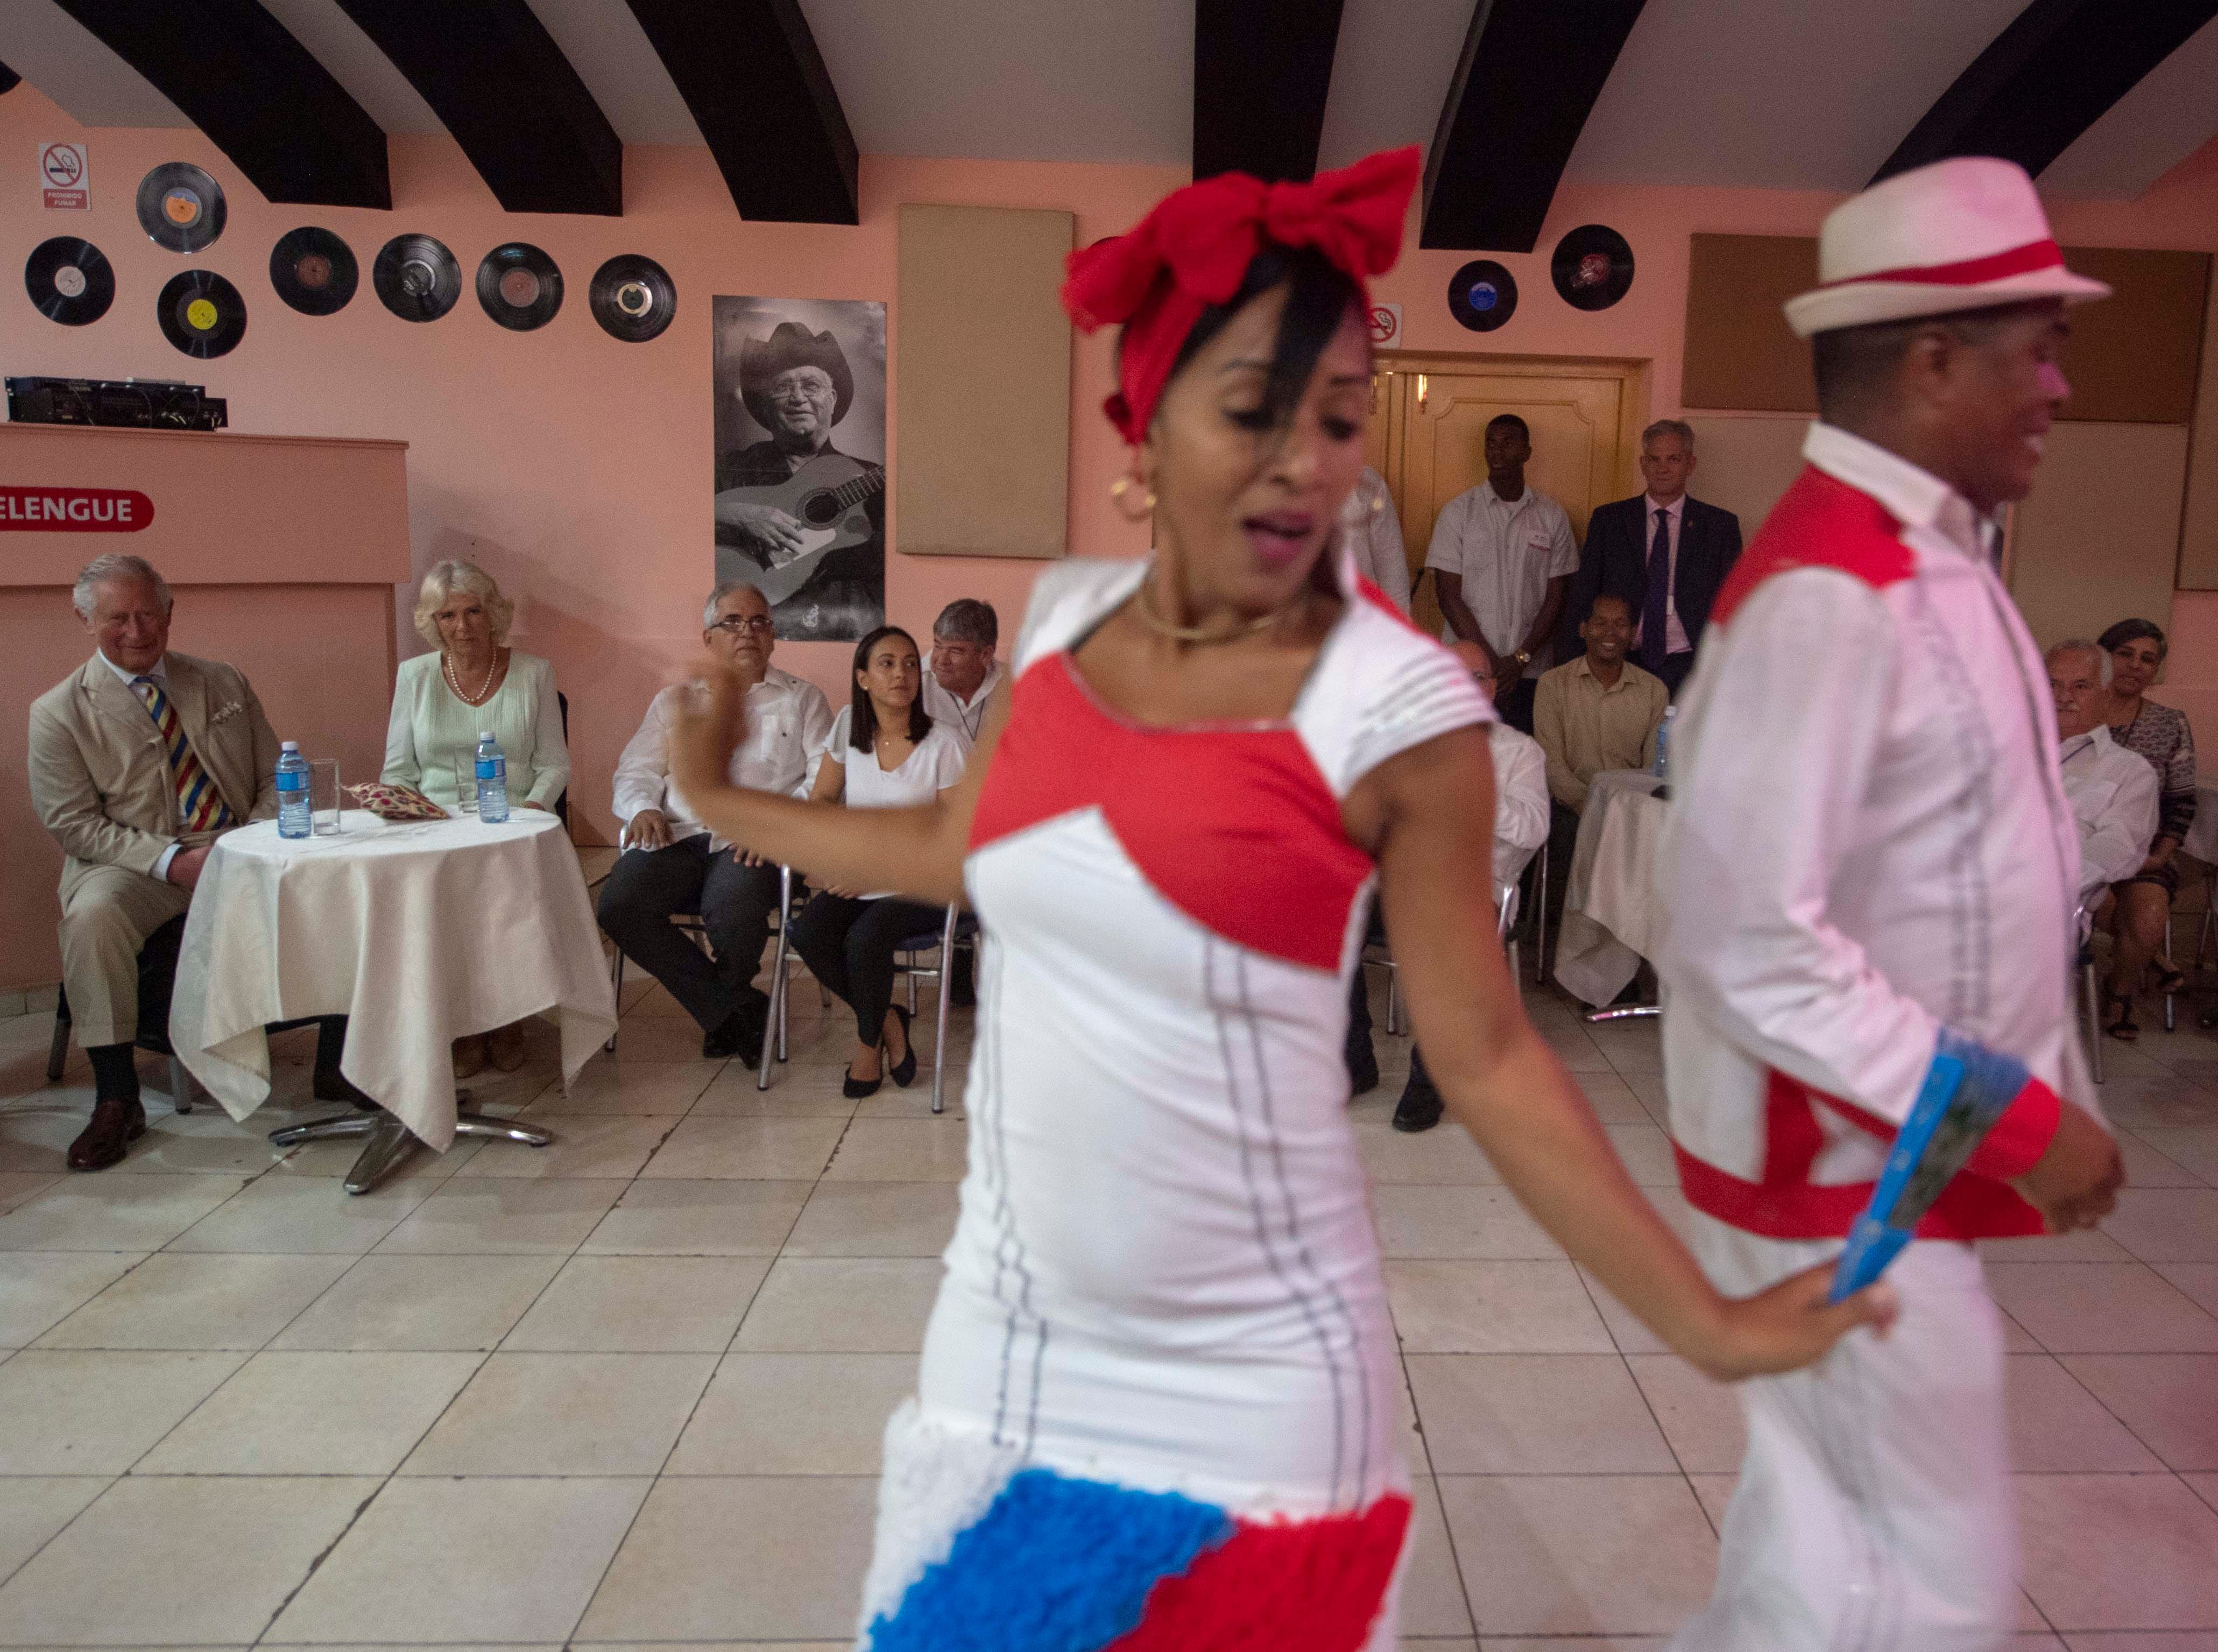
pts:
pixel 1385 327
pixel 62 177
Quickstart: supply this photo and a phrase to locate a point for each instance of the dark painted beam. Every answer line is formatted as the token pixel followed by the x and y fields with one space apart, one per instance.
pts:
pixel 1261 69
pixel 750 71
pixel 1530 73
pixel 254 90
pixel 9 79
pixel 2044 80
pixel 495 77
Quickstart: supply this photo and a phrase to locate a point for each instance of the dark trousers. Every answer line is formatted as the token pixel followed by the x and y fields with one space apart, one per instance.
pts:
pixel 1674 671
pixel 1563 839
pixel 1515 705
pixel 849 946
pixel 648 887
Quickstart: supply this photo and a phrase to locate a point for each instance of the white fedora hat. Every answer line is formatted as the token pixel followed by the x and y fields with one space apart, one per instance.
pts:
pixel 1961 234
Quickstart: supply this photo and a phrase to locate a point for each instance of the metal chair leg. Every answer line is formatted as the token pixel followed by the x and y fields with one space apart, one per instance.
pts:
pixel 1540 917
pixel 940 1040
pixel 774 1036
pixel 180 1087
pixel 2092 991
pixel 58 1052
pixel 1393 1000
pixel 2171 999
pixel 616 995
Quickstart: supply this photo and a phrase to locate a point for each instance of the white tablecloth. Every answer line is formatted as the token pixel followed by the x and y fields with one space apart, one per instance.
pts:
pixel 420 933
pixel 2202 836
pixel 1608 901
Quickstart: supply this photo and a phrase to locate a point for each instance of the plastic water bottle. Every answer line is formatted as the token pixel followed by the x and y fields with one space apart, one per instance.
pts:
pixel 293 811
pixel 492 780
pixel 1663 769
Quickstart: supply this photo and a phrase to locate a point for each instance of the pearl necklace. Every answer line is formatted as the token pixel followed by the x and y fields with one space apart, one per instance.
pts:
pixel 447 665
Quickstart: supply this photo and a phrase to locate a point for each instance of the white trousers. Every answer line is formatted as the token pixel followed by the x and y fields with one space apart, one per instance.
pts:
pixel 1874 1512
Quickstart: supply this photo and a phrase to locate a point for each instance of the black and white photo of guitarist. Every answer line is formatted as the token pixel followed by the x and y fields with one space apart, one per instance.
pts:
pixel 806 521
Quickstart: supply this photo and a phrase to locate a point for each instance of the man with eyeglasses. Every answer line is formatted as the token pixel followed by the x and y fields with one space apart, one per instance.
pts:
pixel 672 863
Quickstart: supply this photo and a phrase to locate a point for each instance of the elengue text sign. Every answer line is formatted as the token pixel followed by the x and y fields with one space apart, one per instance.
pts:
pixel 74 509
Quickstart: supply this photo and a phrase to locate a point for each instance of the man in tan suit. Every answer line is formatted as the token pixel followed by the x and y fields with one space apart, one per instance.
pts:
pixel 139 759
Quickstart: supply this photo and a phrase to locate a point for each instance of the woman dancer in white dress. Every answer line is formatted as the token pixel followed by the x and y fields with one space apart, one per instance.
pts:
pixel 1155 1403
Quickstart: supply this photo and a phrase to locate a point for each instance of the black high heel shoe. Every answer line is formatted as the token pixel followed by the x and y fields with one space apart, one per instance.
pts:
pixel 903 1072
pixel 855 1089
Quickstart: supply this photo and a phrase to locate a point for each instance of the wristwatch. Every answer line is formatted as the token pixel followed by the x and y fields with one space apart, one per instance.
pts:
pixel 1523 656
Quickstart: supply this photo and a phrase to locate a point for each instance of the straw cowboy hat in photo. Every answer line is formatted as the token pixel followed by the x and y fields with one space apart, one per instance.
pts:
pixel 792 345
pixel 1962 234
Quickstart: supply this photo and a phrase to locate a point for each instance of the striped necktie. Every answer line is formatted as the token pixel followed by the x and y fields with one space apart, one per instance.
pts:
pixel 200 805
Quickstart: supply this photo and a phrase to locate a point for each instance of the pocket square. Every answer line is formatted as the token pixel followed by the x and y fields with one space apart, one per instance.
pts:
pixel 227 713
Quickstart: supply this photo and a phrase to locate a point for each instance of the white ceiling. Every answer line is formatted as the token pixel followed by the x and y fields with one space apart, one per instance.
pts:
pixel 1781 94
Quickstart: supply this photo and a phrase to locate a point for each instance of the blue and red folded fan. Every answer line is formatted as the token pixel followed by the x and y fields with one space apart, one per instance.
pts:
pixel 1966 1089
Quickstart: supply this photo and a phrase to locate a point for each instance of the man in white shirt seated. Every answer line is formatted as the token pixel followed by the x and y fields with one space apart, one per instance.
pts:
pixel 1520 827
pixel 963 674
pixel 1374 537
pixel 2112 791
pixel 1502 557
pixel 671 863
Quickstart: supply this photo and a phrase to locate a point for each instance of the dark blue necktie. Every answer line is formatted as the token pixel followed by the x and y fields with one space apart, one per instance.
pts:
pixel 1659 593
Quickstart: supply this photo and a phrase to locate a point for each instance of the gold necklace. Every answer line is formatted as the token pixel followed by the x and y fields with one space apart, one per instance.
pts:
pixel 1162 627
pixel 447 663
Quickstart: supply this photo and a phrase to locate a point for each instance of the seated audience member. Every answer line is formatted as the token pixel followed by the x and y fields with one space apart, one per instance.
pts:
pixel 2111 791
pixel 2161 734
pixel 1599 712
pixel 1374 535
pixel 884 752
pixel 139 759
pixel 1665 552
pixel 672 863
pixel 964 673
pixel 442 701
pixel 1520 827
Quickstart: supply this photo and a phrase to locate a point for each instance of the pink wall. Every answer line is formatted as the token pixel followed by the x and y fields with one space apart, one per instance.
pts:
pixel 576 468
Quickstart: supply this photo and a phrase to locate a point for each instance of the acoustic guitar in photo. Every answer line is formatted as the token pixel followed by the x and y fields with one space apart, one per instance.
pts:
pixel 829 496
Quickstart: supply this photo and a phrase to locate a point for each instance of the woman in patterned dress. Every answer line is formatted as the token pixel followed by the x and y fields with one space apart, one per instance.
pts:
pixel 2161 734
pixel 1156 1406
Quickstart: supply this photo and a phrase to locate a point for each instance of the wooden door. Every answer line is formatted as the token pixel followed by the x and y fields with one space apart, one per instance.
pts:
pixel 1428 429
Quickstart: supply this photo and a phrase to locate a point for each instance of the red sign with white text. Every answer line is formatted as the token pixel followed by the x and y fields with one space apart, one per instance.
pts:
pixel 74 511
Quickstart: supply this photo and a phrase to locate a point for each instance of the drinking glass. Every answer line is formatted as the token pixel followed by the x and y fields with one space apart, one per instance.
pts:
pixel 466 777
pixel 325 798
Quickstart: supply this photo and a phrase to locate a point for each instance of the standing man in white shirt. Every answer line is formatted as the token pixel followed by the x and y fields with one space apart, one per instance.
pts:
pixel 1374 537
pixel 964 673
pixel 1867 880
pixel 672 863
pixel 2112 791
pixel 1502 557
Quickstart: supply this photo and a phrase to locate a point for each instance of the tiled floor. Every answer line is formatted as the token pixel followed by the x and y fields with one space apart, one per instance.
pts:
pixel 629 1389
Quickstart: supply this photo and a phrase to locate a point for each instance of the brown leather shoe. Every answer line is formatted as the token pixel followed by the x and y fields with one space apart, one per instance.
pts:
pixel 504 1047
pixel 115 1125
pixel 469 1056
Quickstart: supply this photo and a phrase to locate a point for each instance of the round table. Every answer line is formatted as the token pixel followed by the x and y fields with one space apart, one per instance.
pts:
pixel 419 932
pixel 1609 902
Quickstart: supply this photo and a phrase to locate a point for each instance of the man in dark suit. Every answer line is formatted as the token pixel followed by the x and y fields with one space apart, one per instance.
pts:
pixel 1664 552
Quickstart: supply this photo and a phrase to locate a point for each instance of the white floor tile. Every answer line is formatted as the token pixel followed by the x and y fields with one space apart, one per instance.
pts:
pixel 1493 1307
pixel 795 1414
pixel 761 1150
pixel 1534 1413
pixel 105 1212
pixel 71 1411
pixel 38 1289
pixel 314 1414
pixel 1584 1555
pixel 641 1305
pixel 33 1508
pixel 699 1218
pixel 2118 1551
pixel 853 1305
pixel 497 1216
pixel 199 1301
pixel 297 1214
pixel 566 1414
pixel 423 1304
pixel 860 1218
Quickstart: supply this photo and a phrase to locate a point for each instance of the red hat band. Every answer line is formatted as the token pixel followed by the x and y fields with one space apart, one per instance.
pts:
pixel 1968 272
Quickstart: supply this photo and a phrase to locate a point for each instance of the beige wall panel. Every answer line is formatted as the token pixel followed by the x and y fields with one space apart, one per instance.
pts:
pixel 1743 464
pixel 2098 540
pixel 2198 531
pixel 981 352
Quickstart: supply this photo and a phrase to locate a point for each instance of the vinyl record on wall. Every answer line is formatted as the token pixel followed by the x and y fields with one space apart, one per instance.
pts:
pixel 1483 295
pixel 70 281
pixel 632 297
pixel 416 277
pixel 519 286
pixel 181 206
pixel 313 270
pixel 1592 268
pixel 201 313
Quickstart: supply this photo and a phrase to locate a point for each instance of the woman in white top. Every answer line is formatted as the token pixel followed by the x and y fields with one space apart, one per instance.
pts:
pixel 442 701
pixel 884 752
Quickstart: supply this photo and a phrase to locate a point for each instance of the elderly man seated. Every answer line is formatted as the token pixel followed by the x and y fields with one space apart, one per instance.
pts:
pixel 672 864
pixel 139 759
pixel 1520 827
pixel 2112 791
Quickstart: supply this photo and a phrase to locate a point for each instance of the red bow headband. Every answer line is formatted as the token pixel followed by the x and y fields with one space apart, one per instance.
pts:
pixel 1193 250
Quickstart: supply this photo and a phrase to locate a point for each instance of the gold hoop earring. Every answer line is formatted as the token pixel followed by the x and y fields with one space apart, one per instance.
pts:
pixel 1119 491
